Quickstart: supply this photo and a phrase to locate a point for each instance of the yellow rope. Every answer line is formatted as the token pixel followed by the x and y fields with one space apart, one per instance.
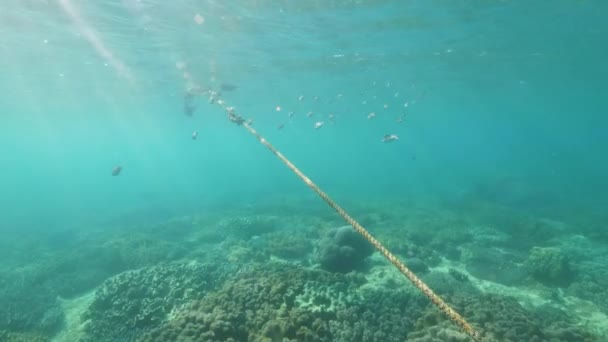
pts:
pixel 426 290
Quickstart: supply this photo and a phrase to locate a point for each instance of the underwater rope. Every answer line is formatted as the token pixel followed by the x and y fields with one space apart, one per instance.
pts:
pixel 425 289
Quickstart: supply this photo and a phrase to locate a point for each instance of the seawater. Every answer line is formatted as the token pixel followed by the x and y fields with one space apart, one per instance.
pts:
pixel 494 186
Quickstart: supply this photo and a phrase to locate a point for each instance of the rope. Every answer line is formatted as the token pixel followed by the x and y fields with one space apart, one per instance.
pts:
pixel 425 289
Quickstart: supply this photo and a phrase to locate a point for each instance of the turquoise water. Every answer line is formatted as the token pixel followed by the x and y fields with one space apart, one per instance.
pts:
pixel 503 127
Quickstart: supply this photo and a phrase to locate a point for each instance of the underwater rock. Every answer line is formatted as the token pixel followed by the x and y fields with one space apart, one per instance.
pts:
pixel 549 265
pixel 343 250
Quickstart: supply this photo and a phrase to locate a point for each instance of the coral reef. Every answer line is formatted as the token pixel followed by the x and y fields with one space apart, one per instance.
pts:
pixel 383 315
pixel 27 306
pixel 591 281
pixel 290 245
pixel 433 331
pixel 242 252
pixel 249 226
pixel 450 283
pixel 133 302
pixel 140 250
pixel 416 265
pixel 281 302
pixel 272 303
pixel 74 271
pixel 399 243
pixel 6 336
pixel 504 319
pixel 457 275
pixel 493 264
pixel 549 265
pixel 591 290
pixel 343 250
pixel 448 237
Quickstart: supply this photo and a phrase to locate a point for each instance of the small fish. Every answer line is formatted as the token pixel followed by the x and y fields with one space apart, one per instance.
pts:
pixel 371 115
pixel 281 126
pixel 116 171
pixel 228 87
pixel 189 109
pixel 389 138
pixel 319 124
pixel 194 135
pixel 189 105
pixel 309 114
pixel 188 96
pixel 301 98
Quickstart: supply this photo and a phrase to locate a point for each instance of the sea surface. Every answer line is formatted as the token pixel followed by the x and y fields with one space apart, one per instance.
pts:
pixel 467 137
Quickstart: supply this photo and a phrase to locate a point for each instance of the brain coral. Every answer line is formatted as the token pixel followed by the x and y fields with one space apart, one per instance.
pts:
pixel 343 250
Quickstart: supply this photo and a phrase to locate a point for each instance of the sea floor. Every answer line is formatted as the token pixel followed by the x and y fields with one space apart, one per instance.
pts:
pixel 280 273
